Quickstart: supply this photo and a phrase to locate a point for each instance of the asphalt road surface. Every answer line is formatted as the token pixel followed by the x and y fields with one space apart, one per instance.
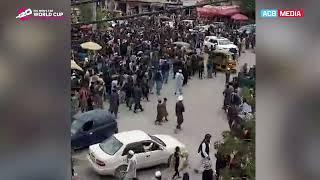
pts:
pixel 203 114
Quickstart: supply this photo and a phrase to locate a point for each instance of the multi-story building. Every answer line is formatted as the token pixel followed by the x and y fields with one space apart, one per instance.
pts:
pixel 130 7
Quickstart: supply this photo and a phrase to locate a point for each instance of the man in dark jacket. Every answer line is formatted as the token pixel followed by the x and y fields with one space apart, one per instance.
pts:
pixel 185 75
pixel 235 98
pixel 160 113
pixel 227 97
pixel 165 68
pixel 128 89
pixel 137 98
pixel 114 102
pixel 179 112
pixel 201 69
pixel 227 75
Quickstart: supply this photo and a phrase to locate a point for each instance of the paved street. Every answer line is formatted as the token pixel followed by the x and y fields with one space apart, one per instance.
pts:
pixel 203 101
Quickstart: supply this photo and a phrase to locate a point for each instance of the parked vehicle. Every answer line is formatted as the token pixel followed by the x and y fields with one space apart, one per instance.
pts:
pixel 92 127
pixel 251 28
pixel 110 156
pixel 201 28
pixel 188 22
pixel 220 44
pixel 223 61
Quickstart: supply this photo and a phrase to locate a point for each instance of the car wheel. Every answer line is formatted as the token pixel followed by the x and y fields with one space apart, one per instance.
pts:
pixel 116 131
pixel 121 172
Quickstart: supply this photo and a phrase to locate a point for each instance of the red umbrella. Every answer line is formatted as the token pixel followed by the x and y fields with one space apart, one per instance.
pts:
pixel 239 17
pixel 229 12
pixel 207 12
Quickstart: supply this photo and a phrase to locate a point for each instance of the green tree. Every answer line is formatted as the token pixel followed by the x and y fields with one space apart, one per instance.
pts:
pixel 85 12
pixel 248 7
pixel 244 150
pixel 103 14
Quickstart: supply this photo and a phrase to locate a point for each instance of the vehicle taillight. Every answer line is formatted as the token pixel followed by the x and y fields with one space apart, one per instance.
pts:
pixel 100 163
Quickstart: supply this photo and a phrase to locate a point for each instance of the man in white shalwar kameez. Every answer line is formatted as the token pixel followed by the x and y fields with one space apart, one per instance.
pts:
pixel 132 167
pixel 179 82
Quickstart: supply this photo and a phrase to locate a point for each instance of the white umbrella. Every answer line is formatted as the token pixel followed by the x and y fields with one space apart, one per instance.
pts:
pixel 183 44
pixel 91 46
pixel 74 65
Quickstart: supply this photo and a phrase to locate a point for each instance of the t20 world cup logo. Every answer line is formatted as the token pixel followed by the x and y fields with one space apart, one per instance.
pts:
pixel 24 14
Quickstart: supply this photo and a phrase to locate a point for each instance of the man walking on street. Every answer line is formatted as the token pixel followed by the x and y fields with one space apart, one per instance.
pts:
pixel 176 162
pixel 227 75
pixel 179 112
pixel 201 69
pixel 137 98
pixel 179 82
pixel 114 103
pixel 165 68
pixel 207 173
pixel 132 167
pixel 159 80
pixel 160 113
pixel 204 150
pixel 164 105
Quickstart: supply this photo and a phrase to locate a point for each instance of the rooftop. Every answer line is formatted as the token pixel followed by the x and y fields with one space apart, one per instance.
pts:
pixel 128 137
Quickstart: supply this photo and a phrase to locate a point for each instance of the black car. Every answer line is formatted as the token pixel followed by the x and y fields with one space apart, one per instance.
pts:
pixel 92 127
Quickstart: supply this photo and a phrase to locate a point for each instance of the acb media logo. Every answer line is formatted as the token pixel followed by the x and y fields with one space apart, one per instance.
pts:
pixel 281 13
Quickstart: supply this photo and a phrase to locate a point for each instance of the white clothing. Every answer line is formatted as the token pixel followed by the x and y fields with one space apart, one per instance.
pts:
pixel 132 168
pixel 203 149
pixel 179 82
pixel 114 83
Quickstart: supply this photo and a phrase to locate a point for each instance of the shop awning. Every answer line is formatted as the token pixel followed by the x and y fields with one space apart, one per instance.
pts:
pixel 211 11
pixel 239 17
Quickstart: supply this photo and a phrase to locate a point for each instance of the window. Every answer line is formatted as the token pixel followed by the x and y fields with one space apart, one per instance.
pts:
pixel 224 42
pixel 135 147
pixel 158 140
pixel 213 41
pixel 87 126
pixel 111 145
pixel 75 126
pixel 155 147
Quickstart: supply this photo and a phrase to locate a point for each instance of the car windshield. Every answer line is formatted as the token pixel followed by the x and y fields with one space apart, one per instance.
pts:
pixel 157 140
pixel 111 145
pixel 75 126
pixel 224 42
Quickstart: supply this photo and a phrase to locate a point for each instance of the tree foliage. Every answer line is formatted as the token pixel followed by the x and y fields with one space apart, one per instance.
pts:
pixel 86 12
pixel 248 7
pixel 239 146
pixel 103 14
pixel 244 153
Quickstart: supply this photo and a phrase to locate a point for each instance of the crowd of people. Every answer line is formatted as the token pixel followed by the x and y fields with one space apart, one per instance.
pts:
pixel 136 61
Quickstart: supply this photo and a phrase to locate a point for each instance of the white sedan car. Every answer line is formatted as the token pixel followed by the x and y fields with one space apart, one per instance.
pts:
pixel 110 156
pixel 219 44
